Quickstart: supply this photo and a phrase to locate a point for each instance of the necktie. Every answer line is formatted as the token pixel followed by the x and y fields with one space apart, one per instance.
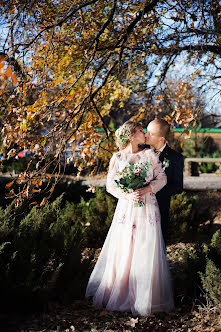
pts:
pixel 157 151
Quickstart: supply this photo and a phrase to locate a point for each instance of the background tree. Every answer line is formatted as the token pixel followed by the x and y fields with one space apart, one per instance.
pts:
pixel 81 58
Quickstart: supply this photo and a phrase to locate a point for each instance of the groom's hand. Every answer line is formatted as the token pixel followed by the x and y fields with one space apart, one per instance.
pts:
pixel 144 190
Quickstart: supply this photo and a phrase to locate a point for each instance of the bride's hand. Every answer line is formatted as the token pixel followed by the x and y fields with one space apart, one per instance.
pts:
pixel 134 196
pixel 144 190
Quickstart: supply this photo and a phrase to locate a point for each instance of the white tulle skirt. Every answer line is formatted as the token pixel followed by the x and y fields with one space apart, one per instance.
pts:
pixel 132 272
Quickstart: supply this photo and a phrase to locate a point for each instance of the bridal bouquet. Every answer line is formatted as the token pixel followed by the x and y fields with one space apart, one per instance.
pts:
pixel 132 177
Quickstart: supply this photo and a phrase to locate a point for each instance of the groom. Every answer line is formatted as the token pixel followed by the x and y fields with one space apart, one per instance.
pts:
pixel 172 162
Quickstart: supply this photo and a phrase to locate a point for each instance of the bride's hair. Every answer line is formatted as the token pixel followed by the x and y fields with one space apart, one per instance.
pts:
pixel 124 132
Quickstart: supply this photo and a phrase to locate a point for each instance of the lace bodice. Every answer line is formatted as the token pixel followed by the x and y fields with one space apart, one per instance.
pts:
pixel 156 176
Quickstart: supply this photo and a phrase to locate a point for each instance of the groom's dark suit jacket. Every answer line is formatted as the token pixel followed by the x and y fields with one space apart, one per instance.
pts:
pixel 174 173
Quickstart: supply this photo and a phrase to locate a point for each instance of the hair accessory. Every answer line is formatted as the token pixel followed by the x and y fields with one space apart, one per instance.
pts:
pixel 124 135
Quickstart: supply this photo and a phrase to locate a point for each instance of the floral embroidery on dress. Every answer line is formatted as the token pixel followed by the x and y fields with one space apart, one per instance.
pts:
pixel 121 219
pixel 118 155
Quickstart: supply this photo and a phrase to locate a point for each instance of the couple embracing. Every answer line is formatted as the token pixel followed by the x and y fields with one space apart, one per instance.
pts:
pixel 132 272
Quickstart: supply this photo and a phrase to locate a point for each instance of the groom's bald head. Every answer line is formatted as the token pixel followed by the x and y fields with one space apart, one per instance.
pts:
pixel 163 127
pixel 157 133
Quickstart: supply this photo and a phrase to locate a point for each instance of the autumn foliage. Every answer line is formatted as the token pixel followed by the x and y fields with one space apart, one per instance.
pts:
pixel 66 65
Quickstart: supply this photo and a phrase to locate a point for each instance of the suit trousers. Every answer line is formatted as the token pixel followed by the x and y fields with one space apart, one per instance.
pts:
pixel 164 207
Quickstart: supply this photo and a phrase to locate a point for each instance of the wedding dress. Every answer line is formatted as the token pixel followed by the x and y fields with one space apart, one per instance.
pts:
pixel 132 272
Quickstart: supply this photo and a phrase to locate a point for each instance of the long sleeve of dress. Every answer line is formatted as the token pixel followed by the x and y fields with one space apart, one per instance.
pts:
pixel 111 186
pixel 159 177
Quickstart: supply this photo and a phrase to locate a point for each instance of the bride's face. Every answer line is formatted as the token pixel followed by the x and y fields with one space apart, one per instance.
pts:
pixel 138 137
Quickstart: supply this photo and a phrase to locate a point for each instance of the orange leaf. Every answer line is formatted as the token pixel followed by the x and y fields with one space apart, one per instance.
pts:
pixel 1 64
pixel 14 79
pixel 11 193
pixel 9 72
pixel 35 190
pixel 29 164
pixel 33 203
pixel 2 58
pixel 8 185
pixel 52 189
pixel 43 201
pixel 48 176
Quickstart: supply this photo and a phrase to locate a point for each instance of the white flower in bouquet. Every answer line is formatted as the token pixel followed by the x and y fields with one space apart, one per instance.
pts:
pixel 133 177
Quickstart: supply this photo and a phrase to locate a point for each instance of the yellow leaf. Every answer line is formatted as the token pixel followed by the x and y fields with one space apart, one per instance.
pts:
pixel 194 123
pixel 24 126
pixel 40 183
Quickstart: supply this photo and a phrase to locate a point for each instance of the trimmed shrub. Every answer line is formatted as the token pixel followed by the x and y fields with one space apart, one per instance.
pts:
pixel 40 256
pixel 40 251
pixel 211 278
pixel 209 167
pixel 203 269
pixel 185 216
pixel 73 191
pixel 211 281
pixel 94 217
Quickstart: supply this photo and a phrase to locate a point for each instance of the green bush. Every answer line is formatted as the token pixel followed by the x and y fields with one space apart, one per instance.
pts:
pixel 97 214
pixel 203 269
pixel 198 146
pixel 94 217
pixel 211 278
pixel 40 251
pixel 73 191
pixel 19 165
pixel 209 167
pixel 201 147
pixel 40 255
pixel 185 216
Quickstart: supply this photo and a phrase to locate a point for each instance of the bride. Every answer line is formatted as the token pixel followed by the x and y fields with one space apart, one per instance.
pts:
pixel 132 272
